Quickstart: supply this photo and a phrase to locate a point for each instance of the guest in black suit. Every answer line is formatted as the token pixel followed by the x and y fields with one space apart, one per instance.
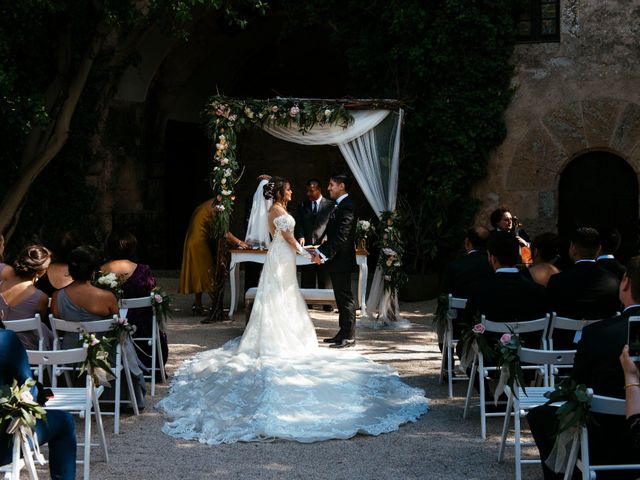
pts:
pixel 506 296
pixel 585 291
pixel 610 240
pixel 597 366
pixel 338 251
pixel 312 217
pixel 462 273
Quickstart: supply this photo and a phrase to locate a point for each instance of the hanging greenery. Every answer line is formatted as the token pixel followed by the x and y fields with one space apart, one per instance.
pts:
pixel 391 251
pixel 227 116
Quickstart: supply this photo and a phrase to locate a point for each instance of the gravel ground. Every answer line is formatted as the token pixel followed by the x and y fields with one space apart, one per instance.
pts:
pixel 439 445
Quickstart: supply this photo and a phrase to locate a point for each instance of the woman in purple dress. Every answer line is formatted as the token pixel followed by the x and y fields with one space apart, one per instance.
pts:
pixel 136 280
pixel 19 299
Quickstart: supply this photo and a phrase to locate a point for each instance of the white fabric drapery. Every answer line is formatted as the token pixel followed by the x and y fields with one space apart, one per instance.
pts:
pixel 371 148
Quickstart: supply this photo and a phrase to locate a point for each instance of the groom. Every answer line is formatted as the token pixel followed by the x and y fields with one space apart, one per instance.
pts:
pixel 338 252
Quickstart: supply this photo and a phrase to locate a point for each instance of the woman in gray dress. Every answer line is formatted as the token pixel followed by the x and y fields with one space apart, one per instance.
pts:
pixel 20 299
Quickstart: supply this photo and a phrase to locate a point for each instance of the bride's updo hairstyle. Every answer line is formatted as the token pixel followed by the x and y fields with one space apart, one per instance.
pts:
pixel 276 185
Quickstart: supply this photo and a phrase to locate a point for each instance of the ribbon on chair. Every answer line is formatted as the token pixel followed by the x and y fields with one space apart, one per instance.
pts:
pixel 504 378
pixel 25 435
pixel 558 459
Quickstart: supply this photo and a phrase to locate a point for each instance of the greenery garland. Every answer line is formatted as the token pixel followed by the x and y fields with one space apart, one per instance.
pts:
pixel 227 116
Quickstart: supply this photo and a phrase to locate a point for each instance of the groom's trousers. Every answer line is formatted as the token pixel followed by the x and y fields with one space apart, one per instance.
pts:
pixel 346 302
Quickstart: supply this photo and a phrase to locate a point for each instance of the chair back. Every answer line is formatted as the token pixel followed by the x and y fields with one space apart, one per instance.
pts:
pixel 606 405
pixel 456 303
pixel 27 325
pixel 526 326
pixel 546 357
pixel 566 323
pixel 57 357
pixel 98 326
pixel 140 302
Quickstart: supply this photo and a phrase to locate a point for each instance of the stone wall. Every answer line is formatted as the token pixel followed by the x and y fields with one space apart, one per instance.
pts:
pixel 572 97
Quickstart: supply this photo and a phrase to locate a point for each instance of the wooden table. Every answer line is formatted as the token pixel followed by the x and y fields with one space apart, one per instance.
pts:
pixel 259 256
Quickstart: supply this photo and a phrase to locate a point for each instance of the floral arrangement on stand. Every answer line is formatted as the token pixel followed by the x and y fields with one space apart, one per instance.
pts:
pixel 391 251
pixel 227 116
pixel 363 230
pixel 109 281
pixel 97 363
pixel 161 302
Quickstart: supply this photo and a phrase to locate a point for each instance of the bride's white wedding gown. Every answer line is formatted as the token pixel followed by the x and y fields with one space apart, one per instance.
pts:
pixel 276 382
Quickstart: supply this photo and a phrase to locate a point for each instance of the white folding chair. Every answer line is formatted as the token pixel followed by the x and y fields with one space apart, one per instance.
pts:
pixel 81 401
pixel 12 470
pixel 153 341
pixel 455 306
pixel 565 323
pixel 27 325
pixel 530 326
pixel 604 405
pixel 60 326
pixel 520 401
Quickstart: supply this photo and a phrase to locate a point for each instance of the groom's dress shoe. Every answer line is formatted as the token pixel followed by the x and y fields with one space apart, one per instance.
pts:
pixel 336 339
pixel 344 343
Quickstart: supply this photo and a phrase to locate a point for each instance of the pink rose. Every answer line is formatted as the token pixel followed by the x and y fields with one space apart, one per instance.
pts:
pixel 219 198
pixel 505 338
pixel 274 109
pixel 158 298
pixel 26 397
pixel 294 111
pixel 478 328
pixel 94 342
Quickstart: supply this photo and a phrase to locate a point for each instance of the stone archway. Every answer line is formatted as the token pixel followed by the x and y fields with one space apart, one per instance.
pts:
pixel 525 172
pixel 600 189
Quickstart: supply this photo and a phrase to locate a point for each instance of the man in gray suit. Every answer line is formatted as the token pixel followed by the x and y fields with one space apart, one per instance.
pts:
pixel 312 216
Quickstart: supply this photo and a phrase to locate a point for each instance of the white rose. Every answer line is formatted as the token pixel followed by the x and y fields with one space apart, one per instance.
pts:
pixel 389 252
pixel 223 181
pixel 222 137
pixel 227 172
pixel 327 113
pixel 26 397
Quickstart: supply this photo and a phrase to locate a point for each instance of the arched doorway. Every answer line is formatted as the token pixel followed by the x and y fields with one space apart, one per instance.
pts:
pixel 600 189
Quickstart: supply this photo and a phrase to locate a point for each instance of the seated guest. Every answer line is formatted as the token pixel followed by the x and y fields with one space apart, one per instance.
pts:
pixel 474 266
pixel 19 299
pixel 597 366
pixel 136 281
pixel 57 275
pixel 545 252
pixel 506 296
pixel 82 302
pixel 59 430
pixel 585 291
pixel 632 396
pixel 610 240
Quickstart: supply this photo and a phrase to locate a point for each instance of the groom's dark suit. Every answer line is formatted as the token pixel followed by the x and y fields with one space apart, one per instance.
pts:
pixel 339 249
pixel 311 226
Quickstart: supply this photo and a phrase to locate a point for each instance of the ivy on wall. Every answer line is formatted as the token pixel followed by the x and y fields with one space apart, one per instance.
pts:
pixel 450 62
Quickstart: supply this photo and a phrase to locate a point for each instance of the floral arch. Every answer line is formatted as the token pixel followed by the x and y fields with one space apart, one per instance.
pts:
pixel 368 134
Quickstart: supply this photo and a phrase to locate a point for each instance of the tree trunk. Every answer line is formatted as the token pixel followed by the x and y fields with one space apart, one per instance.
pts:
pixel 219 273
pixel 50 145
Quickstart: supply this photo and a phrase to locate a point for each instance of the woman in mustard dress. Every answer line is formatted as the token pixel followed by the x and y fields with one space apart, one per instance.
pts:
pixel 197 258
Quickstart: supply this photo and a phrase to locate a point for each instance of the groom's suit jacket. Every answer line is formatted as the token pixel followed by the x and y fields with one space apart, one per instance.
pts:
pixel 339 247
pixel 311 226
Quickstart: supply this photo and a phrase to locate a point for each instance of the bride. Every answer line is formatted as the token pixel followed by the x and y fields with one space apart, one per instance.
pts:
pixel 275 381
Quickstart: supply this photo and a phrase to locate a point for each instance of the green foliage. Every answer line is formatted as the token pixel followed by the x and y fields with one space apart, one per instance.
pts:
pixel 226 116
pixel 576 404
pixel 18 405
pixel 449 61
pixel 42 45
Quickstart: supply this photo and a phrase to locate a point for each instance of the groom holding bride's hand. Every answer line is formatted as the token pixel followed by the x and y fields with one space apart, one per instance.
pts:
pixel 338 252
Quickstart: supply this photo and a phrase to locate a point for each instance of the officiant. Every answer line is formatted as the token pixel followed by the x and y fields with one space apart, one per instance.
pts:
pixel 312 216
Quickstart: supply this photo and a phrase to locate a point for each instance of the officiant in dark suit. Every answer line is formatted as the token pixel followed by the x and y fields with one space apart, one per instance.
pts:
pixel 339 253
pixel 312 217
